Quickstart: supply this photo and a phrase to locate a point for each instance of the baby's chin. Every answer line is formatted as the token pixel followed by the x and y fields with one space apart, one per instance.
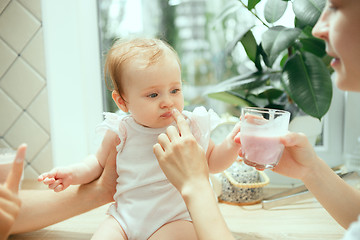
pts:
pixel 160 125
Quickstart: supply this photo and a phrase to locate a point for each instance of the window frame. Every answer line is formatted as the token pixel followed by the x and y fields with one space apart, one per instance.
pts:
pixel 73 72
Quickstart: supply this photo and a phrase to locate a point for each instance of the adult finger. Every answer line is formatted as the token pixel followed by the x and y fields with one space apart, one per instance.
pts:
pixel 172 133
pixel 158 150
pixel 255 119
pixel 294 139
pixel 14 177
pixel 181 122
pixel 237 138
pixel 163 140
pixel 109 175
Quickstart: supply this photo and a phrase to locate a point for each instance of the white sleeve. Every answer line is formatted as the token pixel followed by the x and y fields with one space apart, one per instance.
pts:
pixel 353 232
pixel 113 122
pixel 202 122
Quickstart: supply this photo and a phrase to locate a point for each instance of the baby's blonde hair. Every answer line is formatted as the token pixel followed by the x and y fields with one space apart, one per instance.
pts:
pixel 146 50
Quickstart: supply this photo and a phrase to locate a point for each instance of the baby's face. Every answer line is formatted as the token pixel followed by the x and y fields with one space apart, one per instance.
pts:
pixel 151 93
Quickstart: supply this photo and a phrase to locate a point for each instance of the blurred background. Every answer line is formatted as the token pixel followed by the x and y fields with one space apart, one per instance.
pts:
pixel 52 91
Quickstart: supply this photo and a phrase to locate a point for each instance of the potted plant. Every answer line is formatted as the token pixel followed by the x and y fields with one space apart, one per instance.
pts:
pixel 291 65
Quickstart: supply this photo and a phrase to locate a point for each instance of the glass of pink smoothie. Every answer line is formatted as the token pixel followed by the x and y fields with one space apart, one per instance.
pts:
pixel 7 156
pixel 261 129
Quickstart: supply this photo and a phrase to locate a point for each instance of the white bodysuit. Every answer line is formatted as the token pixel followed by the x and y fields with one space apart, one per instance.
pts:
pixel 145 200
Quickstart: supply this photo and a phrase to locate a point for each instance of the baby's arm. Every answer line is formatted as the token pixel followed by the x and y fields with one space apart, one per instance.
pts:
pixel 221 156
pixel 60 178
pixel 91 168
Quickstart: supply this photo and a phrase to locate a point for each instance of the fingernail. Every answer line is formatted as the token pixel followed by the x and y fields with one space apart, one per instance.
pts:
pixel 23 145
pixel 21 158
pixel 174 110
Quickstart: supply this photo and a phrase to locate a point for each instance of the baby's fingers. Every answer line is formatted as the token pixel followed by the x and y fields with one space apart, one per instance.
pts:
pixel 59 188
pixel 237 138
pixel 51 174
pixel 49 181
pixel 236 131
pixel 56 185
pixel 44 176
pixel 41 177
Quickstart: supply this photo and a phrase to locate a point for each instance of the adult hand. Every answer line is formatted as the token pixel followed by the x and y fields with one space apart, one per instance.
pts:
pixel 9 200
pixel 180 156
pixel 299 157
pixel 184 163
pixel 44 205
pixel 107 180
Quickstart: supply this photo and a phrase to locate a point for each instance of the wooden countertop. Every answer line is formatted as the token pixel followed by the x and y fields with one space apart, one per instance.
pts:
pixel 303 220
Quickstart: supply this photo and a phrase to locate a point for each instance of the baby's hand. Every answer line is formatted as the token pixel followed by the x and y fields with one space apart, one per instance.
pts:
pixel 234 134
pixel 57 179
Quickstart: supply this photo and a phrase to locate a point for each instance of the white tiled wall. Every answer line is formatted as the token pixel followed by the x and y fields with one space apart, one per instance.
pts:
pixel 24 115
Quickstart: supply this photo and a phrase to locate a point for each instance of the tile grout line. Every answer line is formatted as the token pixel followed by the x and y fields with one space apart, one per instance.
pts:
pixel 19 54
pixel 5 7
pixel 30 12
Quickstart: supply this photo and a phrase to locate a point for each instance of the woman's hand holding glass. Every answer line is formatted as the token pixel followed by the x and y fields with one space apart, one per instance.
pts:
pixel 299 158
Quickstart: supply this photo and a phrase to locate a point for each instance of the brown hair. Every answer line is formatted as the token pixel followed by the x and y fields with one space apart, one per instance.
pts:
pixel 147 50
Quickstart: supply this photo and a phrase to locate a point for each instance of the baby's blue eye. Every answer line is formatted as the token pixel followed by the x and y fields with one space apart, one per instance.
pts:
pixel 153 95
pixel 175 90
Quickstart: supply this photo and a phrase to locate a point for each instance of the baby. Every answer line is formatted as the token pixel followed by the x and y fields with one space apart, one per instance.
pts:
pixel 146 83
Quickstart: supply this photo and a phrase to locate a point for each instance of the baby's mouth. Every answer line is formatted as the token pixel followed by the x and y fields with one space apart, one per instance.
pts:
pixel 166 115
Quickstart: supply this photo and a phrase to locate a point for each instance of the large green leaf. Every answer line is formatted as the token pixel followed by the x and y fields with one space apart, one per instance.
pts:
pixel 308 83
pixel 247 82
pixel 250 45
pixel 308 11
pixel 264 56
pixel 230 46
pixel 313 45
pixel 268 92
pixel 252 4
pixel 274 10
pixel 232 98
pixel 277 39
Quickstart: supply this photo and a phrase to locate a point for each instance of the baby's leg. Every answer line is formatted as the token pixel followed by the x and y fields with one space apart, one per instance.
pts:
pixel 177 230
pixel 109 229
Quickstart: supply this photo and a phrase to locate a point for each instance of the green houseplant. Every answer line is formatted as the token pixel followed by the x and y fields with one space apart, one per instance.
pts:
pixel 292 67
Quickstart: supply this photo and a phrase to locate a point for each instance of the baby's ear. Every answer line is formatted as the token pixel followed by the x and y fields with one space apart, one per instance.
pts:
pixel 119 101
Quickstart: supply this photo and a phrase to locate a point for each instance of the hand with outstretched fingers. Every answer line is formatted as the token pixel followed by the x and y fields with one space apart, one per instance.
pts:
pixel 179 155
pixel 9 200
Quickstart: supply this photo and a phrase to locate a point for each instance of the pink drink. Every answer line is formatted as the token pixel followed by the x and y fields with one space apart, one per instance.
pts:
pixel 7 156
pixel 261 151
pixel 5 168
pixel 260 133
